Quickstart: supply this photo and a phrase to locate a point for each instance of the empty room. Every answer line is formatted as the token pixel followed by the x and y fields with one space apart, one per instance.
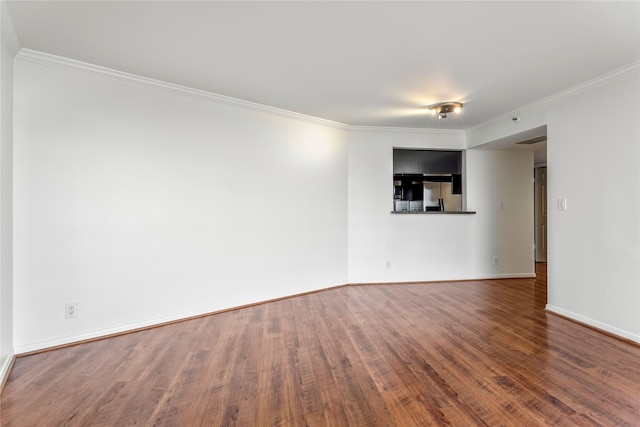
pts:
pixel 345 213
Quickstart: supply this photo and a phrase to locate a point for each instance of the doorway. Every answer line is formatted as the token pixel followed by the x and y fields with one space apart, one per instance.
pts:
pixel 540 215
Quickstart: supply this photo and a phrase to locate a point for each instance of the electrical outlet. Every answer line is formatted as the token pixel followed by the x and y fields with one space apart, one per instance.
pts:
pixel 495 260
pixel 388 265
pixel 70 310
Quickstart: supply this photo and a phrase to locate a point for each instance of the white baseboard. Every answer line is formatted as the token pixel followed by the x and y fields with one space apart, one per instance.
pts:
pixel 511 276
pixel 446 279
pixel 154 322
pixel 593 323
pixel 106 332
pixel 147 323
pixel 5 369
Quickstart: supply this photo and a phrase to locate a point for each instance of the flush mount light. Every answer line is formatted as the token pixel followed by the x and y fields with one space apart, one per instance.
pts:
pixel 444 108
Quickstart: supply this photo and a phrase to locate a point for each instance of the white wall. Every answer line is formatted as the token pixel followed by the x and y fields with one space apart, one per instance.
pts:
pixel 6 199
pixel 143 205
pixel 594 270
pixel 438 247
pixel 593 159
pixel 500 188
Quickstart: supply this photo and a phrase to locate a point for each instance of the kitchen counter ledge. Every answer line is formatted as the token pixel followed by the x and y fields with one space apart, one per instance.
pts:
pixel 434 212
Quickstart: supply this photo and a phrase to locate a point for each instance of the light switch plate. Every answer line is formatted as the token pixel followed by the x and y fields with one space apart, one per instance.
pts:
pixel 562 204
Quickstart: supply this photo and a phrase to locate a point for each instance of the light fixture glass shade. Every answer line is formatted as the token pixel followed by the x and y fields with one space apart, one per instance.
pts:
pixel 444 108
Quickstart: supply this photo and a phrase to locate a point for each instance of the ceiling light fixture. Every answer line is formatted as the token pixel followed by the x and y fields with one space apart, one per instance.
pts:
pixel 444 108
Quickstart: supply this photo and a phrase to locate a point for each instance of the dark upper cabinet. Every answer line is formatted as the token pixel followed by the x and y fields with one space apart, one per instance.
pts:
pixel 406 161
pixel 456 184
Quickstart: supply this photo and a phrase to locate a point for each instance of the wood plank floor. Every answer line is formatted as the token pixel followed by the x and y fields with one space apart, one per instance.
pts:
pixel 462 354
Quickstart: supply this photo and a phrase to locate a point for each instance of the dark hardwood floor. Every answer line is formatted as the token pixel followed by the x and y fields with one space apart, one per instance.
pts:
pixel 458 353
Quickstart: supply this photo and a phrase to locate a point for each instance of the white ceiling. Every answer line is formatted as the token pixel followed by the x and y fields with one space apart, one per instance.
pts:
pixel 370 63
pixel 523 141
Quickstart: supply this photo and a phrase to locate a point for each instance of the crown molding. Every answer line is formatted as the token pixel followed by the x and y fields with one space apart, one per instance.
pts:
pixel 580 87
pixel 55 61
pixel 9 32
pixel 430 131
